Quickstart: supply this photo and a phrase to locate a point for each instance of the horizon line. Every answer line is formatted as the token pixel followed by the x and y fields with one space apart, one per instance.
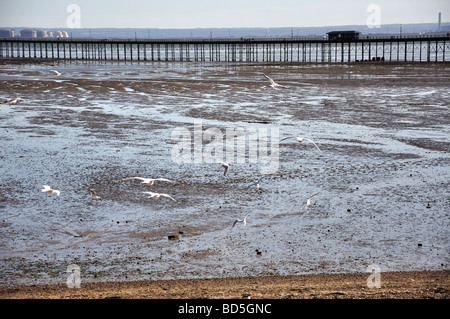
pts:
pixel 208 28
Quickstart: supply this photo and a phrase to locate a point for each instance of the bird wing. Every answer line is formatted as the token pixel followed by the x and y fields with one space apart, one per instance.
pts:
pixel 128 178
pixel 287 138
pixel 168 196
pixel 162 179
pixel 94 194
pixel 270 79
pixel 46 188
pixel 252 184
pixel 307 139
pixel 313 195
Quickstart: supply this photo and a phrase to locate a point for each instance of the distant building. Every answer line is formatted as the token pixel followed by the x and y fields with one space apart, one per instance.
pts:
pixel 60 34
pixel 6 33
pixel 343 35
pixel 28 33
pixel 41 34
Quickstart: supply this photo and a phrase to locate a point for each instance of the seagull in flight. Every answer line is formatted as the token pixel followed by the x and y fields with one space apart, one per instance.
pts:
pixel 157 195
pixel 226 166
pixel 148 181
pixel 243 221
pixel 308 201
pixel 47 189
pixel 301 139
pixel 94 195
pixel 256 184
pixel 56 72
pixel 273 83
pixel 12 101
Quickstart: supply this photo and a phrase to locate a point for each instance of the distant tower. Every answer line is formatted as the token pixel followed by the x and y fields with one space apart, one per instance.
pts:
pixel 439 22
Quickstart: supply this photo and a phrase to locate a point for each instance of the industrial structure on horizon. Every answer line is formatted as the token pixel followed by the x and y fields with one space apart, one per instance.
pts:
pixel 33 33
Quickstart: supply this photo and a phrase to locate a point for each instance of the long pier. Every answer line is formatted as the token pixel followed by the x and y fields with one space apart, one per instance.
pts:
pixel 388 49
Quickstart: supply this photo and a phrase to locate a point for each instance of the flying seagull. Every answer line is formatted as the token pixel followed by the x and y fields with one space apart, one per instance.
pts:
pixel 273 83
pixel 243 221
pixel 94 195
pixel 308 201
pixel 256 184
pixel 149 181
pixel 157 195
pixel 226 166
pixel 56 72
pixel 47 189
pixel 301 139
pixel 12 101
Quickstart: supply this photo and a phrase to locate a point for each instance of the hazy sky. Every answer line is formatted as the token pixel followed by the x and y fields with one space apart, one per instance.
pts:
pixel 217 13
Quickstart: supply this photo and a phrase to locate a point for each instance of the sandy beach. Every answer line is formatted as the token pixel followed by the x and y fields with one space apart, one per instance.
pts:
pixel 395 285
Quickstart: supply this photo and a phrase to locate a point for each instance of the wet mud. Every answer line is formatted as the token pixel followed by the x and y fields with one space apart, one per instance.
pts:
pixel 382 176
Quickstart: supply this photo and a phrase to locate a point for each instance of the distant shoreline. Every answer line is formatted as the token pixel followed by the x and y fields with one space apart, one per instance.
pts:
pixel 391 29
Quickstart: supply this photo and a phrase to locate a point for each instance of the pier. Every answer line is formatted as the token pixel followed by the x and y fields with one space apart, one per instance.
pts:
pixel 433 48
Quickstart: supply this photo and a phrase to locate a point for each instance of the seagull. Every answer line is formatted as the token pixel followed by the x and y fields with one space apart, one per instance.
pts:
pixel 256 184
pixel 149 181
pixel 308 201
pixel 301 139
pixel 273 83
pixel 12 101
pixel 56 72
pixel 243 221
pixel 47 189
pixel 226 166
pixel 157 195
pixel 94 195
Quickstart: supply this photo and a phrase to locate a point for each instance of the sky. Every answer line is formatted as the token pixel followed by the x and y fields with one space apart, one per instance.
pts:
pixel 217 13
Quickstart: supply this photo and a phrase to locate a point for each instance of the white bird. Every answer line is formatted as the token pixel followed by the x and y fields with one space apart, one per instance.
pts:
pixel 256 184
pixel 12 101
pixel 226 166
pixel 301 139
pixel 47 189
pixel 308 201
pixel 56 72
pixel 157 195
pixel 94 195
pixel 148 181
pixel 273 83
pixel 243 221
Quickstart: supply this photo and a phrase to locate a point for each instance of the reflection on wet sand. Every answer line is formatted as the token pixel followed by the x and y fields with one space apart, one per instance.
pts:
pixel 382 173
